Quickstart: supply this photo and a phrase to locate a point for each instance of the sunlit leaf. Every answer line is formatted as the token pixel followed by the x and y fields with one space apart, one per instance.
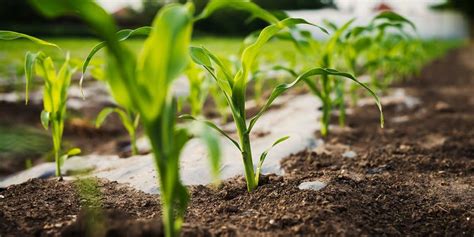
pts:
pixel 313 72
pixel 45 118
pixel 244 5
pixel 394 17
pixel 264 155
pixel 213 126
pixel 102 116
pixel 121 35
pixel 11 35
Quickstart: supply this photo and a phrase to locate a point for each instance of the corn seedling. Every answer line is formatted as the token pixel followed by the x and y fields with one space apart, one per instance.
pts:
pixel 130 122
pixel 363 45
pixel 220 103
pixel 233 86
pixel 328 88
pixel 143 83
pixel 198 86
pixel 56 85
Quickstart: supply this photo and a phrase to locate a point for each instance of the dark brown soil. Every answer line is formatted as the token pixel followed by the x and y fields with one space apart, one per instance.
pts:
pixel 49 207
pixel 413 178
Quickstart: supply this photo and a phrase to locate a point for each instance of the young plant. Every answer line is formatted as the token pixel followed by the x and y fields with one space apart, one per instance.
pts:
pixel 143 83
pixel 220 103
pixel 233 87
pixel 197 89
pixel 56 85
pixel 364 49
pixel 130 122
pixel 328 86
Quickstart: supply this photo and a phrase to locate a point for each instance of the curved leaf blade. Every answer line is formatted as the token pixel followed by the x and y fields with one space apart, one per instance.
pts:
pixel 11 35
pixel 45 118
pixel 313 72
pixel 122 35
pixel 213 126
pixel 264 155
pixel 243 5
pixel 394 17
pixel 102 116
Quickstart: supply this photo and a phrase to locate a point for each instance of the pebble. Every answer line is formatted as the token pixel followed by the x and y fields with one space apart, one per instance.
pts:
pixel 1 196
pixel 313 185
pixel 349 154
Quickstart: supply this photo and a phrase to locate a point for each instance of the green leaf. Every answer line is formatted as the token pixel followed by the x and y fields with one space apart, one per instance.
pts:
pixel 200 56
pixel 243 5
pixel 250 53
pixel 164 57
pixel 102 116
pixel 213 126
pixel 88 10
pixel 313 72
pixel 122 35
pixel 73 152
pixel 264 155
pixel 30 62
pixel 330 48
pixel 136 121
pixel 356 31
pixel 126 120
pixel 362 43
pixel 394 17
pixel 45 118
pixel 11 35
pixel 203 57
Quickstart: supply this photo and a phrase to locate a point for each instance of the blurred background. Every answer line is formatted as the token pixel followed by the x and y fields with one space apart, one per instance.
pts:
pixel 434 18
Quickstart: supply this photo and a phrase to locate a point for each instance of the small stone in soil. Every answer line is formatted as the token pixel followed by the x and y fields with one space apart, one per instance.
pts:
pixel 314 185
pixel 1 196
pixel 349 154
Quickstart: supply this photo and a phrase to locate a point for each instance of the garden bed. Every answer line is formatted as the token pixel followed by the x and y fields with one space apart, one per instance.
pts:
pixel 415 177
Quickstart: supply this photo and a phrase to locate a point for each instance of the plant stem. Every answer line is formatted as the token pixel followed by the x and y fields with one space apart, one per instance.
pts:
pixel 325 117
pixel 326 99
pixel 168 219
pixel 57 135
pixel 248 163
pixel 58 163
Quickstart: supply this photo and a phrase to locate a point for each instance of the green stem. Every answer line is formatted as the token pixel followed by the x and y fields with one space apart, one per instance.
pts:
pixel 248 163
pixel 326 99
pixel 325 117
pixel 168 219
pixel 58 163
pixel 57 134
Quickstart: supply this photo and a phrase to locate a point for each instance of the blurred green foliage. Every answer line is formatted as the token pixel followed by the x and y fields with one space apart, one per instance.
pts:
pixel 12 53
pixel 19 140
pixel 18 15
